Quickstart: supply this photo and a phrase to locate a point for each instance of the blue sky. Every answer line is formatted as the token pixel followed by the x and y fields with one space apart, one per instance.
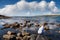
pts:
pixel 24 8
pixel 9 2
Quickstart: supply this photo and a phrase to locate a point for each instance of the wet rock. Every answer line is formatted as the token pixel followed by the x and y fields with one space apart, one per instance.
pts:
pixel 58 25
pixel 6 25
pixel 36 24
pixel 46 28
pixel 9 36
pixel 52 23
pixel 41 37
pixel 58 31
pixel 15 25
pixel 33 37
pixel 25 33
pixel 18 36
pixel 26 38
pixel 27 21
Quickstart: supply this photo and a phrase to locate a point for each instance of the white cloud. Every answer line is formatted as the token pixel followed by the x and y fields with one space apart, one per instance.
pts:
pixel 55 10
pixel 24 8
pixel 33 5
pixel 42 5
pixel 22 5
pixel 8 10
pixel 52 7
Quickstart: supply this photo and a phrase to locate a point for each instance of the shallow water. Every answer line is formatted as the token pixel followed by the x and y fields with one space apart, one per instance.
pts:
pixel 39 19
pixel 52 19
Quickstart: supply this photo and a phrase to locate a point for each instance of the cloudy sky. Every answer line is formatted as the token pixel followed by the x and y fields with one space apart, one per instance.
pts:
pixel 29 7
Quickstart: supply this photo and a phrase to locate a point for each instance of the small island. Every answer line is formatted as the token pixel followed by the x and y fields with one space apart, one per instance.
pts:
pixel 4 17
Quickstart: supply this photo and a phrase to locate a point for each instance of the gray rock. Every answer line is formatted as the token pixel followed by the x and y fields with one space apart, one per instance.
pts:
pixel 33 37
pixel 41 37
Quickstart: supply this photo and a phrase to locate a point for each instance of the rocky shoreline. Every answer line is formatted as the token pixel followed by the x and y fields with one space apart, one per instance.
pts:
pixel 30 34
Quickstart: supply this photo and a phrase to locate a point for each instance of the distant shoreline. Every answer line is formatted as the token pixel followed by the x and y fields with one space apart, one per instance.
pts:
pixel 7 17
pixel 39 15
pixel 4 17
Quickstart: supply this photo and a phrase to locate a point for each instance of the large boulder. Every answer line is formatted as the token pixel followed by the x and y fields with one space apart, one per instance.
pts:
pixel 7 25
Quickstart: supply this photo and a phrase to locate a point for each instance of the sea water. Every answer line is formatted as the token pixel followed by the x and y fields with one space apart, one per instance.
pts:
pixel 39 19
